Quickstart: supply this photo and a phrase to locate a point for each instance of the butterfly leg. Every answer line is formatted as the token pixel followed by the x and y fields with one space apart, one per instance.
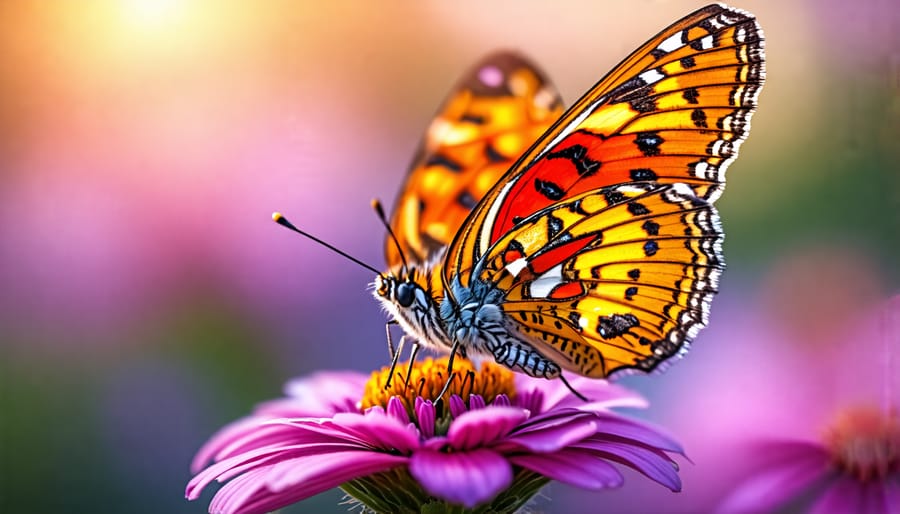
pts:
pixel 395 355
pixel 569 386
pixel 412 358
pixel 390 342
pixel 453 350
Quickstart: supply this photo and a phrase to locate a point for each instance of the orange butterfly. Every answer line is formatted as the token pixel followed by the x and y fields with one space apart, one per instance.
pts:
pixel 583 241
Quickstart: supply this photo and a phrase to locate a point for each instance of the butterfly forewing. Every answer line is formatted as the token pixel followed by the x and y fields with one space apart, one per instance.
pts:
pixel 676 110
pixel 498 109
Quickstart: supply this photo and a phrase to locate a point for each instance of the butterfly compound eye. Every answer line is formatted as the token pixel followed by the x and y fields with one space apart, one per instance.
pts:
pixel 405 294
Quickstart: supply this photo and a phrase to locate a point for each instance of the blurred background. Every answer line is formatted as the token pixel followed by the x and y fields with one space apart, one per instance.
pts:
pixel 146 298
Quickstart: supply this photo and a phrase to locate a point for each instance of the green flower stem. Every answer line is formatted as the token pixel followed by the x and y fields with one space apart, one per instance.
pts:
pixel 396 491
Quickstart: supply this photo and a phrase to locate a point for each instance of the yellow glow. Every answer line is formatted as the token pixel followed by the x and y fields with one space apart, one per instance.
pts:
pixel 152 13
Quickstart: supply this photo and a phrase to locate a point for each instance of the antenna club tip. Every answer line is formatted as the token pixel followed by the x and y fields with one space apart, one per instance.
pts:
pixel 276 216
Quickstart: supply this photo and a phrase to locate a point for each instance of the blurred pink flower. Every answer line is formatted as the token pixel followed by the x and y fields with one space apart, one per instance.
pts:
pixel 500 446
pixel 855 465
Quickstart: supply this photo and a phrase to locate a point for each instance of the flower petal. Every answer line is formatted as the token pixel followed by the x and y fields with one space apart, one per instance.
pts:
pixel 572 467
pixel 794 466
pixel 378 429
pixel 321 472
pixel 319 395
pixel 457 406
pixel 222 438
pixel 553 436
pixel 469 478
pixel 396 410
pixel 652 463
pixel 844 495
pixel 259 457
pixel 602 394
pixel 483 426
pixel 425 415
pixel 268 489
pixel 642 432
pixel 501 400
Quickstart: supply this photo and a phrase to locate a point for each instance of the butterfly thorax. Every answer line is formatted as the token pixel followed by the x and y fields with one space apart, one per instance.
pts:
pixel 469 317
pixel 473 316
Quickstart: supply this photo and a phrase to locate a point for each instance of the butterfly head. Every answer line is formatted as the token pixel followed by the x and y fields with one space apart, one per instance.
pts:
pixel 408 299
pixel 398 290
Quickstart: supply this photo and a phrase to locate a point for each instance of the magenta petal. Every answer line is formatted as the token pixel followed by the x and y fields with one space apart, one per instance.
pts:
pixel 378 429
pixel 892 496
pixel 476 402
pixel 652 463
pixel 426 416
pixel 457 406
pixel 483 426
pixel 235 494
pixel 553 436
pixel 269 489
pixel 645 433
pixel 844 495
pixel 317 473
pixel 225 436
pixel 501 400
pixel 320 395
pixel 396 410
pixel 467 478
pixel 782 480
pixel 572 467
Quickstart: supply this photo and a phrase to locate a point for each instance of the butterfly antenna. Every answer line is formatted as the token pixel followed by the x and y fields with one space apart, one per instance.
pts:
pixel 380 212
pixel 281 220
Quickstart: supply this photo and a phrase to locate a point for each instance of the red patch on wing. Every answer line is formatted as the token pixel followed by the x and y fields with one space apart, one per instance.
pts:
pixel 570 168
pixel 559 254
pixel 567 290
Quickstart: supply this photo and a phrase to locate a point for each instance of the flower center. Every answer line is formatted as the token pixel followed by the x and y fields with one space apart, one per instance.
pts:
pixel 429 376
pixel 865 442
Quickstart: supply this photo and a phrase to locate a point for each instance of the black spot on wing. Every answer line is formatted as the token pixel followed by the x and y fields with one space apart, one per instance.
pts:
pixel 634 274
pixel 691 94
pixel 466 199
pixel 698 116
pixel 473 118
pixel 650 248
pixel 688 62
pixel 630 292
pixel 577 154
pixel 492 154
pixel 637 209
pixel 554 226
pixel 651 228
pixel 613 326
pixel 648 143
pixel 444 162
pixel 640 174
pixel 548 189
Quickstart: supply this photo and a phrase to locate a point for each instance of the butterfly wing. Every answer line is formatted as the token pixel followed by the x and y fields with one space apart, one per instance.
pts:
pixel 642 155
pixel 498 109
pixel 613 279
pixel 675 110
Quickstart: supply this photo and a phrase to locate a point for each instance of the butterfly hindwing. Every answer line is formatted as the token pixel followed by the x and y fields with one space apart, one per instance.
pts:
pixel 497 110
pixel 623 280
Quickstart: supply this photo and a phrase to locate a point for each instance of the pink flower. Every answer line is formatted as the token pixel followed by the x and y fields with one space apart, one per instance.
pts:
pixel 855 465
pixel 494 444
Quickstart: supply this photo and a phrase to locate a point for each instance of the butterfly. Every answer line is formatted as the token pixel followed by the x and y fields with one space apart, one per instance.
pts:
pixel 582 240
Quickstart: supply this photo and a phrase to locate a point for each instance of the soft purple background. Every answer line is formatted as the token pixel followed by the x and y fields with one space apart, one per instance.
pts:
pixel 147 298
